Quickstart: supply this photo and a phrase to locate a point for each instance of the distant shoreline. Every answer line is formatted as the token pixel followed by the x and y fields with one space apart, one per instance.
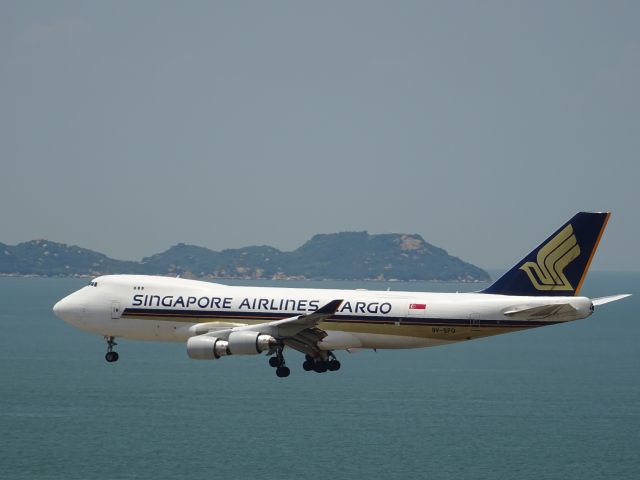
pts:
pixel 356 256
pixel 495 273
pixel 285 279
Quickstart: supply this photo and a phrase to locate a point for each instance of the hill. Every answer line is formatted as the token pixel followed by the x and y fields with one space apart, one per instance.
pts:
pixel 346 255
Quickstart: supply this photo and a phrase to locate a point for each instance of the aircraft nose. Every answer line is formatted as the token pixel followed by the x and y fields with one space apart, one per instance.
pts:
pixel 67 310
pixel 58 309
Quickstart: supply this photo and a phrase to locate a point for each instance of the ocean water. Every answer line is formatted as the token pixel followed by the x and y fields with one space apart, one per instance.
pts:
pixel 557 402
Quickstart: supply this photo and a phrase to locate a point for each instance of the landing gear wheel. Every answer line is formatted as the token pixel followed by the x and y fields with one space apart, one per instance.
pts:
pixel 333 365
pixel 307 365
pixel 111 357
pixel 320 367
pixel 275 362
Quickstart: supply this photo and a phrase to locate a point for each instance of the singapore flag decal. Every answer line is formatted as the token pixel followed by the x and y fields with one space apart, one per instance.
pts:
pixel 418 306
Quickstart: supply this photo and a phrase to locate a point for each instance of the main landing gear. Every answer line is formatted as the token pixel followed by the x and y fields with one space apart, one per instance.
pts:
pixel 277 362
pixel 321 365
pixel 325 363
pixel 111 356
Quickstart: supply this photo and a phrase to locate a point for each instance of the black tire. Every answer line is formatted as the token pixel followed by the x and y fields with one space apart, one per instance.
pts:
pixel 307 365
pixel 275 362
pixel 283 372
pixel 333 365
pixel 111 357
pixel 320 367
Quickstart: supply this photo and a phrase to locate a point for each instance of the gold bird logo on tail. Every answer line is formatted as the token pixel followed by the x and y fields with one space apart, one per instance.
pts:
pixel 548 272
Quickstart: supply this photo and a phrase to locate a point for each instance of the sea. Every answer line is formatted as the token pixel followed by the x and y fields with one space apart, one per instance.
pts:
pixel 559 402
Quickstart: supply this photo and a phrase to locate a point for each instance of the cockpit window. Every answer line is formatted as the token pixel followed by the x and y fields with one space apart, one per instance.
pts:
pixel 94 284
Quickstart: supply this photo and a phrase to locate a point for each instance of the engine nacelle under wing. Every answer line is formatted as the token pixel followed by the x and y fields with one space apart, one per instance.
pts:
pixel 206 347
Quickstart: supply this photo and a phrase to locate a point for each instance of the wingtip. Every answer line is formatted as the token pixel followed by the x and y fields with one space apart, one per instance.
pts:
pixel 331 307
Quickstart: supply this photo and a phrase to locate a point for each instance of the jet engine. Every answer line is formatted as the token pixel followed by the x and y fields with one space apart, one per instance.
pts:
pixel 205 347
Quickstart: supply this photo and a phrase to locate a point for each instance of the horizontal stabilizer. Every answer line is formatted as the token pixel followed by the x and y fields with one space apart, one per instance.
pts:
pixel 544 311
pixel 612 298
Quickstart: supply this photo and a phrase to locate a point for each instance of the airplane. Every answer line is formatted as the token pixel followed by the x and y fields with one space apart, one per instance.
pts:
pixel 218 320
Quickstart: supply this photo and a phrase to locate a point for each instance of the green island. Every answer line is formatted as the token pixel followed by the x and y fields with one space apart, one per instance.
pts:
pixel 337 256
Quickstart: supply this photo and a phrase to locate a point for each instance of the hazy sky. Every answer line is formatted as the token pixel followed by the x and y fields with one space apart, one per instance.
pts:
pixel 127 127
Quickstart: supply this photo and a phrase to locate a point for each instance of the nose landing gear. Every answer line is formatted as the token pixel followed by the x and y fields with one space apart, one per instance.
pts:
pixel 111 356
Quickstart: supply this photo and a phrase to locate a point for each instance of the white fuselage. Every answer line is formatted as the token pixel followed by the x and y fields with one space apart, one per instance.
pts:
pixel 173 309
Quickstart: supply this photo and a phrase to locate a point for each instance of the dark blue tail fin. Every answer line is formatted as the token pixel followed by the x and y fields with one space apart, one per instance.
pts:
pixel 559 265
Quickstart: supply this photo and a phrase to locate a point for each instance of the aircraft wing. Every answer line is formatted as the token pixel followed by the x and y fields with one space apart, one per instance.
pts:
pixel 284 327
pixel 306 321
pixel 300 332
